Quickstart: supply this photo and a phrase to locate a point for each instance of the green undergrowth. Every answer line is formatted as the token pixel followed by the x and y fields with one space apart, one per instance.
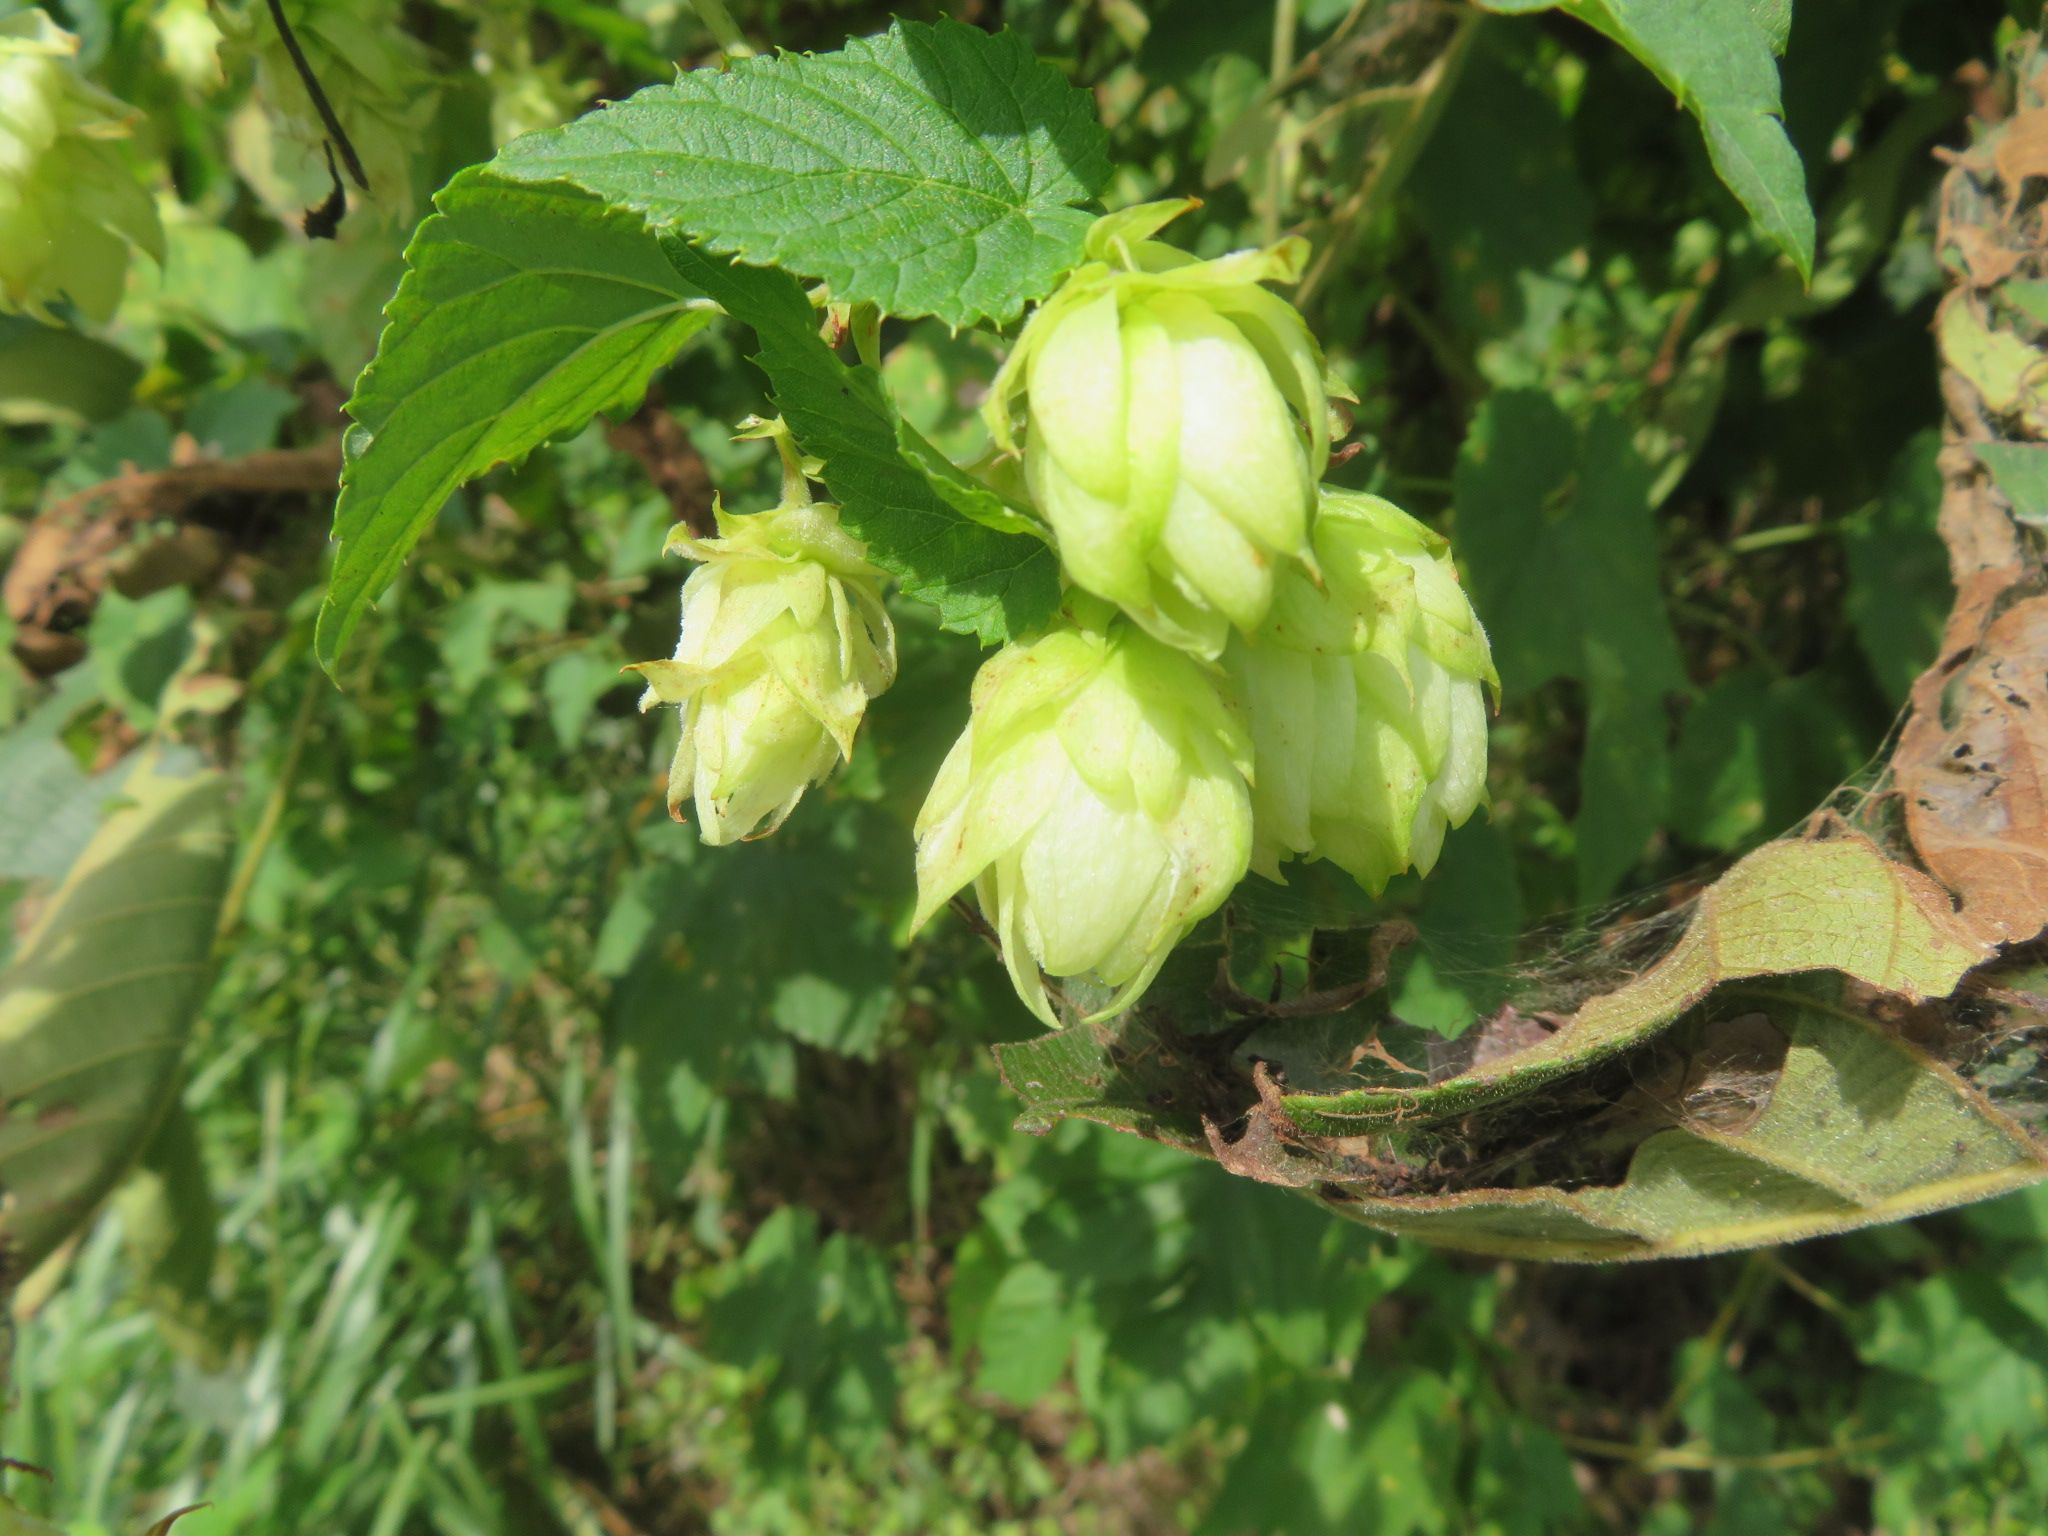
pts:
pixel 535 1169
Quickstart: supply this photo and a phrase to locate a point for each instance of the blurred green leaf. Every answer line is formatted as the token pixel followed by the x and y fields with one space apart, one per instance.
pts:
pixel 1899 587
pixel 95 1008
pixel 1499 195
pixel 816 1320
pixel 241 418
pixel 1344 1457
pixel 1756 754
pixel 470 636
pixel 572 686
pixel 137 646
pixel 1026 1333
pixel 49 809
pixel 1554 524
pixel 48 374
pixel 167 1212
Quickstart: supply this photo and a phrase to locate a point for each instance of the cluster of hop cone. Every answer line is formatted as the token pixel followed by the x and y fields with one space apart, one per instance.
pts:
pixel 1248 667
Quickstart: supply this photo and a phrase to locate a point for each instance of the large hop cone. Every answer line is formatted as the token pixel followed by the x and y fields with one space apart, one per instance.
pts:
pixel 1097 801
pixel 1175 427
pixel 70 206
pixel 784 641
pixel 1367 699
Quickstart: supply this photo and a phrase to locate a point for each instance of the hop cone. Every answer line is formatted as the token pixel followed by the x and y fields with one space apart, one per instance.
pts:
pixel 784 642
pixel 70 206
pixel 1176 426
pixel 1097 802
pixel 1366 698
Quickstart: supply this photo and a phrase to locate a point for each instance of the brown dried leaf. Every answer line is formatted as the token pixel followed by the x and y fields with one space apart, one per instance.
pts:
pixel 1972 775
pixel 2021 151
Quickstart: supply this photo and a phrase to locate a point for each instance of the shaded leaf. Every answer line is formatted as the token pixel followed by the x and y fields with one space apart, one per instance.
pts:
pixel 1756 754
pixel 53 375
pixel 1899 587
pixel 1555 527
pixel 1467 925
pixel 817 1320
pixel 168 1226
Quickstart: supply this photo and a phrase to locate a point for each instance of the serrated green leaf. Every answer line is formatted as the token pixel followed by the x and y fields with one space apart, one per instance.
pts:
pixel 1718 57
pixel 933 170
pixel 982 582
pixel 95 1009
pixel 53 375
pixel 523 313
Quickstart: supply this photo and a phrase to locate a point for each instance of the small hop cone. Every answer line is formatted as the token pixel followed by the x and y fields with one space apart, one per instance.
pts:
pixel 1097 801
pixel 784 641
pixel 70 206
pixel 1176 425
pixel 1366 698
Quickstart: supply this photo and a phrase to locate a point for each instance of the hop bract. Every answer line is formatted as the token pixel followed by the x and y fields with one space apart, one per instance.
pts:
pixel 1176 425
pixel 1366 697
pixel 784 642
pixel 70 206
pixel 1097 801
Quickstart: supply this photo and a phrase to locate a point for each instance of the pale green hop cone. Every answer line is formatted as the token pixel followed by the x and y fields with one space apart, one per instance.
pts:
pixel 70 205
pixel 1097 802
pixel 784 642
pixel 1175 425
pixel 1366 696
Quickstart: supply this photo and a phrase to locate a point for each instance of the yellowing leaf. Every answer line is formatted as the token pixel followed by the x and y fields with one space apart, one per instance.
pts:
pixel 96 1006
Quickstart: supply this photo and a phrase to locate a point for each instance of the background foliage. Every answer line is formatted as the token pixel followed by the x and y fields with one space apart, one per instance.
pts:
pixel 538 1169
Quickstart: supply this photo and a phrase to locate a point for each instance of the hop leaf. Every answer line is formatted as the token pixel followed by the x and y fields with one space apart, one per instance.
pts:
pixel 784 642
pixel 1097 801
pixel 1176 427
pixel 1366 697
pixel 70 206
